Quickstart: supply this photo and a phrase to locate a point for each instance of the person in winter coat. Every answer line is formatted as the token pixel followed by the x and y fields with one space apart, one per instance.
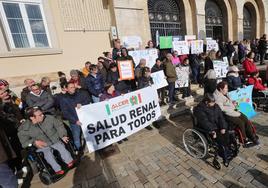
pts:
pixel 175 59
pixel 38 97
pixel 95 83
pixel 124 56
pixel 210 81
pixel 138 69
pixel 158 66
pixel 7 177
pixel 256 81
pixel 209 61
pixel 171 75
pixel 186 91
pixel 230 50
pixel 45 133
pixel 26 90
pixel 117 49
pixel 262 48
pixel 249 65
pixel 233 78
pixel 241 51
pixel 145 80
pixel 210 118
pixel 72 100
pixel 195 67
pixel 113 78
pixel 85 70
pixel 78 79
pixel 102 69
pixel 233 116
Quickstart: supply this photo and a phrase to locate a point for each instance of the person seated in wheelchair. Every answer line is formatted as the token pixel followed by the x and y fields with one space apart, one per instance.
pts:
pixel 258 87
pixel 47 134
pixel 233 116
pixel 210 119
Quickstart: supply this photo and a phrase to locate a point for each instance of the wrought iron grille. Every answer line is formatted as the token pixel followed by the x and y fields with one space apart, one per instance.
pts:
pixel 164 16
pixel 214 17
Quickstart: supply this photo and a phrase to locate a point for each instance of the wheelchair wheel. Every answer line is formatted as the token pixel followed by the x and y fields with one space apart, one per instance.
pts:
pixel 45 178
pixel 195 143
pixel 33 165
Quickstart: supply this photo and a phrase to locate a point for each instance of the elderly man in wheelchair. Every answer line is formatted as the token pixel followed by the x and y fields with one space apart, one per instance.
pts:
pixel 47 134
pixel 210 132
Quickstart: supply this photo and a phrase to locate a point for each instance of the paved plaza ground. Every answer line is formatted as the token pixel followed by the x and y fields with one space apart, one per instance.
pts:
pixel 157 159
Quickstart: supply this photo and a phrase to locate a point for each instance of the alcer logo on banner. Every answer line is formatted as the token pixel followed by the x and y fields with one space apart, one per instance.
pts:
pixel 133 100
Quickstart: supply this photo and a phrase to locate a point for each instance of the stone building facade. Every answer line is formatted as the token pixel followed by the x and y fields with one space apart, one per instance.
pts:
pixel 41 37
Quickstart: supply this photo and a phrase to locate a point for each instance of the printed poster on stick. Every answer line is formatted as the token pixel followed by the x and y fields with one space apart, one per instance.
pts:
pixel 182 77
pixel 159 79
pixel 149 54
pixel 197 46
pixel 118 118
pixel 181 47
pixel 126 70
pixel 221 68
pixel 243 98
pixel 212 45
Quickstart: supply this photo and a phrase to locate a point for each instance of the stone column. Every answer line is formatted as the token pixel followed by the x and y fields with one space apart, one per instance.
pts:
pixel 201 19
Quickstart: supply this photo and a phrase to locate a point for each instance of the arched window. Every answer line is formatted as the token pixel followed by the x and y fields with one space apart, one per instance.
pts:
pixel 215 20
pixel 165 17
pixel 249 21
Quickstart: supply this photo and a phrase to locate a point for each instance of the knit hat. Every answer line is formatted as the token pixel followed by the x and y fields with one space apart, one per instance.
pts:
pixel 233 69
pixel 74 72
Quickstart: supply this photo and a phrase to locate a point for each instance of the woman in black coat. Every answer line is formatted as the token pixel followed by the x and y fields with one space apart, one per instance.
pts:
pixel 210 118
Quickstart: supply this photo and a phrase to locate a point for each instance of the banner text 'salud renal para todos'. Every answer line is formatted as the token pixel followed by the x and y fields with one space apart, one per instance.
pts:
pixel 110 121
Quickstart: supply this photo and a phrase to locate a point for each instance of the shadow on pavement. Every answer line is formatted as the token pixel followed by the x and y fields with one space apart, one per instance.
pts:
pixel 260 177
pixel 263 157
pixel 231 184
pixel 261 129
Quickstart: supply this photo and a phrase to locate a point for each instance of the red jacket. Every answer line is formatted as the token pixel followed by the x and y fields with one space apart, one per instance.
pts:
pixel 257 82
pixel 249 67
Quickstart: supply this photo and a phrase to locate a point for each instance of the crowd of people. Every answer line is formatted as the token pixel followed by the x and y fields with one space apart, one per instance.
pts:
pixel 35 118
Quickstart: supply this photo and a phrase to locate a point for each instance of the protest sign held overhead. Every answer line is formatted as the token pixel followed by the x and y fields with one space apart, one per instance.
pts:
pixel 166 42
pixel 132 42
pixel 126 70
pixel 212 45
pixel 221 68
pixel 118 118
pixel 243 97
pixel 182 77
pixel 149 54
pixel 181 47
pixel 197 46
pixel 159 79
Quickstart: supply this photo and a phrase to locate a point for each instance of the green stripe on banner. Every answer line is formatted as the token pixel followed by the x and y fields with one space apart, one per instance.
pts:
pixel 108 109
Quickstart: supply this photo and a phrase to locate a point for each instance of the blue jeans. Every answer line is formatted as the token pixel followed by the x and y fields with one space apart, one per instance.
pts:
pixel 76 132
pixel 95 99
pixel 7 177
pixel 196 74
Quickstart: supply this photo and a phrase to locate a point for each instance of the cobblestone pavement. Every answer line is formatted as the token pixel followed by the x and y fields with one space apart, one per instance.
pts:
pixel 157 159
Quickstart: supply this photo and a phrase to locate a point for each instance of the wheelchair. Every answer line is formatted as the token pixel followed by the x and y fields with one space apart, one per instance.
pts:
pixel 37 164
pixel 260 100
pixel 200 144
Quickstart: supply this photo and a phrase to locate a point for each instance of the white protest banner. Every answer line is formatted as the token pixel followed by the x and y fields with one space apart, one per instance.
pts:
pixel 159 79
pixel 107 122
pixel 149 54
pixel 197 46
pixel 181 47
pixel 182 77
pixel 212 45
pixel 126 70
pixel 132 42
pixel 221 68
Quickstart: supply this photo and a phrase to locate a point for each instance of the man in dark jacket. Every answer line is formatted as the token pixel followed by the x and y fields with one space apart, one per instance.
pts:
pixel 74 99
pixel 25 91
pixel 45 133
pixel 262 48
pixel 95 83
pixel 7 177
pixel 41 98
pixel 171 75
